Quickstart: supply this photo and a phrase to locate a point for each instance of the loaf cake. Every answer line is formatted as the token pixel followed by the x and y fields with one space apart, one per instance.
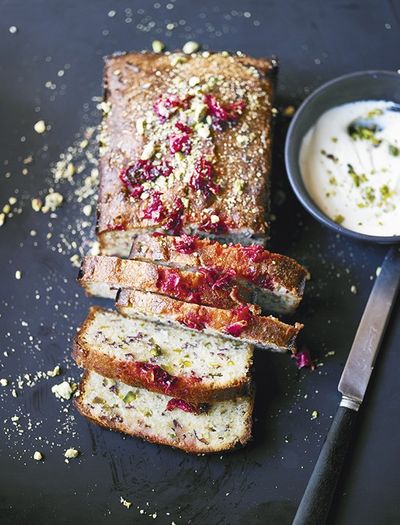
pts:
pixel 173 361
pixel 241 323
pixel 217 427
pixel 185 147
pixel 102 275
pixel 277 281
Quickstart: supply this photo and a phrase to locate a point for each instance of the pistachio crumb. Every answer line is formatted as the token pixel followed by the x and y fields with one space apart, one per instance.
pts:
pixel 190 47
pixel 158 46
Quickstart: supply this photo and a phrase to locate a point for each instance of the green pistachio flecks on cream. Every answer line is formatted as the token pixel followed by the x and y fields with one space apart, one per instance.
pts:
pixel 350 164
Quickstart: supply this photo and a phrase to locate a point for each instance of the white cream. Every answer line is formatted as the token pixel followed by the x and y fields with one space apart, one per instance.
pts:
pixel 355 178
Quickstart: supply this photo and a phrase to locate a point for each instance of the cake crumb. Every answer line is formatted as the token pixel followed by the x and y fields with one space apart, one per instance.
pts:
pixel 353 289
pixel 125 502
pixel 37 456
pixel 64 390
pixel 40 126
pixel 18 274
pixel 3 382
pixel 71 453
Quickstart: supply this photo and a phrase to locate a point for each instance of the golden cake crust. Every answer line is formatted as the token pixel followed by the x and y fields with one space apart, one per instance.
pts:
pixel 240 152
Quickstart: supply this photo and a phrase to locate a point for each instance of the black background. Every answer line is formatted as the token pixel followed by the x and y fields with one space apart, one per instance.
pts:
pixel 263 483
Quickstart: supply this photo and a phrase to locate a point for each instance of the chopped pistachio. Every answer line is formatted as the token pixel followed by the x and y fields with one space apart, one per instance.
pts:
pixel 129 397
pixel 156 351
pixel 190 47
pixel 141 125
pixel 394 150
pixel 339 219
pixel 357 178
pixel 12 200
pixel 157 46
pixel 178 59
pixel 314 414
pixel 6 208
pixel 148 151
pixel 2 219
pixel 385 192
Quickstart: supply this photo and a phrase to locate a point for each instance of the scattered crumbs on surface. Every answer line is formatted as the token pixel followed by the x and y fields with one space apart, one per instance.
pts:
pixel 353 289
pixel 40 126
pixel 71 453
pixel 288 111
pixel 125 502
pixel 314 414
pixel 38 456
pixel 64 390
pixel 36 204
pixel 18 274
pixel 52 201
pixel 87 210
pixel 55 372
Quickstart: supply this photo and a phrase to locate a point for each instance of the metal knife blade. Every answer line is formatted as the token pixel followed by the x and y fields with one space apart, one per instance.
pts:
pixel 360 363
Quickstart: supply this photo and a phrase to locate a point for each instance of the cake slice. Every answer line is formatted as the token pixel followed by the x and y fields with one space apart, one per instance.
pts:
pixel 277 282
pixel 102 276
pixel 239 324
pixel 185 146
pixel 173 361
pixel 218 427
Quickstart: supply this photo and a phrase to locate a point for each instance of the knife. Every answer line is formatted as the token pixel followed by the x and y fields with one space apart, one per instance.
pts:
pixel 315 504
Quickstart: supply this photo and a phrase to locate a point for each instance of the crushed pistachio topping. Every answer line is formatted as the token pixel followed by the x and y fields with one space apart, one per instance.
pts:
pixel 190 47
pixel 157 46
pixel 339 219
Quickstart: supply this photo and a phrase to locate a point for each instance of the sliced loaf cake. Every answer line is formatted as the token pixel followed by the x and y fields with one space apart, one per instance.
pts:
pixel 276 281
pixel 241 324
pixel 164 420
pixel 102 276
pixel 170 360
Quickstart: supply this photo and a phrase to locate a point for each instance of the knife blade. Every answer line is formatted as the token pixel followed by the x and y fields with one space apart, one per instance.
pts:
pixel 361 360
pixel 315 504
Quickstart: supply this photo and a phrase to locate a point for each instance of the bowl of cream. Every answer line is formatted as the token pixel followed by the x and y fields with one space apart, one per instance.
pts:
pixel 342 155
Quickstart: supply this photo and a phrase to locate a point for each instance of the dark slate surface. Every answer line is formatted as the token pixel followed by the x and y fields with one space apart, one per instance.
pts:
pixel 263 483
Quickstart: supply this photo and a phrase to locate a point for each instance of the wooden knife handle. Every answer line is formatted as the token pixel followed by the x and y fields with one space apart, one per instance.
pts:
pixel 315 504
